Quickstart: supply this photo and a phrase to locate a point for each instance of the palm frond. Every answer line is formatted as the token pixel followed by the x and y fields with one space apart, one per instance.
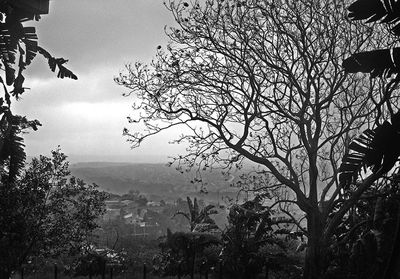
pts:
pixel 387 11
pixel 262 228
pixel 381 62
pixel 30 40
pixel 209 209
pixel 17 154
pixel 9 37
pixel 205 227
pixel 184 214
pixel 377 149
pixel 12 152
pixel 190 203
pixel 57 62
pixel 196 207
pixel 12 35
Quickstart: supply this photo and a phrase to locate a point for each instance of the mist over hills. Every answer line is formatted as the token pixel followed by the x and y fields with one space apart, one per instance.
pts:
pixel 156 180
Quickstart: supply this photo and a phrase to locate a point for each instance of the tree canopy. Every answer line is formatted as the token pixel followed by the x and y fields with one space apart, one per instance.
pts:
pixel 263 81
pixel 46 213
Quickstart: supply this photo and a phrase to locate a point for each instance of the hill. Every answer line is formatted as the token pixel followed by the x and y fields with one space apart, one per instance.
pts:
pixel 150 179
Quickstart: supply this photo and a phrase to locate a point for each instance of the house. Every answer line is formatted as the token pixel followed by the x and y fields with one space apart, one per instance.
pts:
pixel 127 202
pixel 133 219
pixel 142 225
pixel 153 203
pixel 111 214
pixel 112 203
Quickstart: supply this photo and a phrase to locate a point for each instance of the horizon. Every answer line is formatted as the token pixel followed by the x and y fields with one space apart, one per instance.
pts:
pixel 114 159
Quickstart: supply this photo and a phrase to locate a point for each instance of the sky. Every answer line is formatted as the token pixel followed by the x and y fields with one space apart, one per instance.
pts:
pixel 86 117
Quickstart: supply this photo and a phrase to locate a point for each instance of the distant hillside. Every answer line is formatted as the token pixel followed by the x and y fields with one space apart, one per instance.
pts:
pixel 151 179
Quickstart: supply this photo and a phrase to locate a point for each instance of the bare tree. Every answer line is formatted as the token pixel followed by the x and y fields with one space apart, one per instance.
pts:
pixel 262 81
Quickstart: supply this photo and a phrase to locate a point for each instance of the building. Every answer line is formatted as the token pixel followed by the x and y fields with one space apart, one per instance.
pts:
pixel 142 225
pixel 111 214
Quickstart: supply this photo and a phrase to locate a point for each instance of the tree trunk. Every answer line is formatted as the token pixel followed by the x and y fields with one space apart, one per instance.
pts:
pixel 315 254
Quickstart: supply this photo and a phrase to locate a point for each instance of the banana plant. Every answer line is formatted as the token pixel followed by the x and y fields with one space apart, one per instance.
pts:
pixel 366 243
pixel 376 148
pixel 183 253
pixel 199 219
pixel 250 240
pixel 18 47
pixel 379 62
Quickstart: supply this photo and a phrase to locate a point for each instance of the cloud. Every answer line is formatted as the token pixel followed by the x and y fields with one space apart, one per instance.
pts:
pixel 86 117
pixel 97 86
pixel 93 33
pixel 86 130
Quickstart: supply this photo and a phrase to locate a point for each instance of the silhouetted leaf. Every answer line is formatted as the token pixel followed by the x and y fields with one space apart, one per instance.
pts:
pixel 378 149
pixel 57 62
pixel 382 62
pixel 387 11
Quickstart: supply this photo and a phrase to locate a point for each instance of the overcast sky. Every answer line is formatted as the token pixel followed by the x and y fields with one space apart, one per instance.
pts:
pixel 86 117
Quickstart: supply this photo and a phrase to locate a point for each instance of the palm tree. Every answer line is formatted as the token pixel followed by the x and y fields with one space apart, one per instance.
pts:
pixel 199 219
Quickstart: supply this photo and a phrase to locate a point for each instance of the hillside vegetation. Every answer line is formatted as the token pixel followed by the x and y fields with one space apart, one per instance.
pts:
pixel 151 179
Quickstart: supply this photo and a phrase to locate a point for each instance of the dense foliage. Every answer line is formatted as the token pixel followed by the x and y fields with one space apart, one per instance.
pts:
pixel 93 261
pixel 46 213
pixel 43 214
pixel 367 241
pixel 187 253
pixel 249 244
